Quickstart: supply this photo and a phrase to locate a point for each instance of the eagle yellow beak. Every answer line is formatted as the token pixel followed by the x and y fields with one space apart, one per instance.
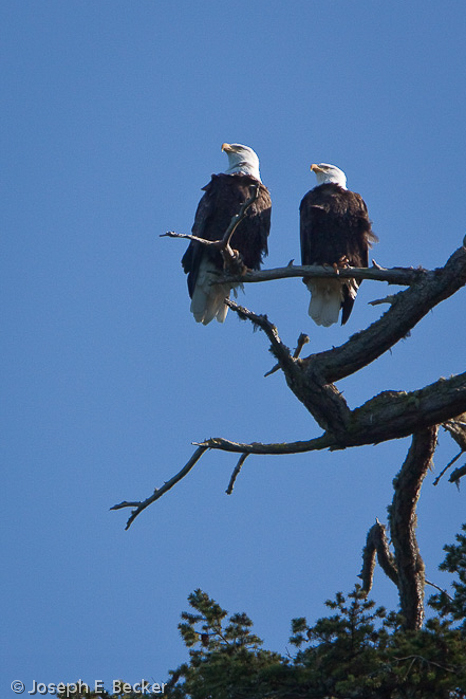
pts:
pixel 315 168
pixel 226 147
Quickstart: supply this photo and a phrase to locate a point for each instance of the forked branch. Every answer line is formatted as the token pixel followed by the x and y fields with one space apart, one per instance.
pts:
pixel 406 310
pixel 406 567
pixel 377 546
pixel 233 262
pixel 390 415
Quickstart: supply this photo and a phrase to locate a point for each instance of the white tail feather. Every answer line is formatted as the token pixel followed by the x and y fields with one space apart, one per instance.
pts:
pixel 207 302
pixel 326 298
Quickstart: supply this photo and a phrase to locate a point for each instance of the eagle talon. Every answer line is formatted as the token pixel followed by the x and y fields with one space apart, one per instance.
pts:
pixel 233 262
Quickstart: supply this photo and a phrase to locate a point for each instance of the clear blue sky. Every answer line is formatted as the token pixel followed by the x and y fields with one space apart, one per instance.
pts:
pixel 112 118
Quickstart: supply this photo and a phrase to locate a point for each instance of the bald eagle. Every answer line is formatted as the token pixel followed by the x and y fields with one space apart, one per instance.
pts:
pixel 335 230
pixel 222 200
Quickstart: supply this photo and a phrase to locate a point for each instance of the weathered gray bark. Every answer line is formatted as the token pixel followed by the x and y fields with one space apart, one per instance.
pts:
pixel 389 415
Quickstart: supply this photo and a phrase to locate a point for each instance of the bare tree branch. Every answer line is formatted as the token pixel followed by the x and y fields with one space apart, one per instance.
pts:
pixel 233 262
pixel 440 589
pixel 311 378
pixel 188 236
pixel 402 517
pixel 457 429
pixel 236 473
pixel 399 413
pixel 158 492
pixel 407 309
pixel 377 544
pixel 281 351
pixel 390 415
pixel 457 474
pixel 386 299
pixel 278 449
pixel 406 568
pixel 403 276
pixel 444 470
pixel 324 401
pixel 236 220
pixel 303 339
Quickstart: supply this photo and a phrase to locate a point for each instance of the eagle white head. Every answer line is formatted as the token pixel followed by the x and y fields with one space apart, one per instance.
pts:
pixel 242 159
pixel 327 174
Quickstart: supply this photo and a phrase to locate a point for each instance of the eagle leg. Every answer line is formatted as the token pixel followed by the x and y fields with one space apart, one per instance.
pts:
pixel 233 262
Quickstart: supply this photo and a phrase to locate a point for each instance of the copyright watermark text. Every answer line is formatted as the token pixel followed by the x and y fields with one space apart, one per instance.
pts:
pixel 79 687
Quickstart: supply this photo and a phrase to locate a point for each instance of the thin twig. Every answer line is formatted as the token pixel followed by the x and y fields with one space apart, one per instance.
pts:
pixel 236 473
pixel 158 492
pixel 387 299
pixel 303 339
pixel 440 589
pixel 187 236
pixel 237 218
pixel 450 463
pixel 280 350
pixel 223 244
pixel 457 474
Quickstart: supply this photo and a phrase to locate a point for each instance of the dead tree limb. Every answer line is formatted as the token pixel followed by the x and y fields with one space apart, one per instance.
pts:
pixel 278 349
pixel 324 402
pixel 303 339
pixel 391 414
pixel 311 379
pixel 273 449
pixel 236 473
pixel 141 505
pixel 400 414
pixel 233 262
pixel 457 429
pixel 402 276
pixel 408 308
pixel 457 475
pixel 403 520
pixel 377 545
pixel 405 568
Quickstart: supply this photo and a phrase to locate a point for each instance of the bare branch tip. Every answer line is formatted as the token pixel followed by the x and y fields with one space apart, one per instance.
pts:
pixel 390 299
pixel 236 473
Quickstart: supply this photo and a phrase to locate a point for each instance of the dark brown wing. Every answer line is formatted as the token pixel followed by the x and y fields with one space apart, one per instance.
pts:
pixel 335 225
pixel 222 199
